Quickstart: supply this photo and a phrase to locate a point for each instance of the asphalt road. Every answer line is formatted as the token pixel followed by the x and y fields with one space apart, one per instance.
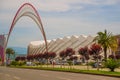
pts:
pixel 28 74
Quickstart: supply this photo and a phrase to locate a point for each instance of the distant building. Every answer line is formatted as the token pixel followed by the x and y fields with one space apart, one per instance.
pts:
pixel 118 38
pixel 60 44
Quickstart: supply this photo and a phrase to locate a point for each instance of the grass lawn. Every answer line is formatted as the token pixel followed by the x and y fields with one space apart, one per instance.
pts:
pixel 92 72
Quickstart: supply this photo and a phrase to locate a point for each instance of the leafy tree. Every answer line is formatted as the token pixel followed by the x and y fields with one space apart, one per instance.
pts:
pixel 62 54
pixel 46 56
pixel 40 56
pixel 105 39
pixel 117 56
pixel 28 57
pixel 69 52
pixel 84 52
pixel 18 58
pixel 114 45
pixel 10 51
pixel 95 52
pixel 52 55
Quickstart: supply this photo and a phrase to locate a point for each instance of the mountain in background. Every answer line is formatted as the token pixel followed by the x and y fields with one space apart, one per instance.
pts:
pixel 19 50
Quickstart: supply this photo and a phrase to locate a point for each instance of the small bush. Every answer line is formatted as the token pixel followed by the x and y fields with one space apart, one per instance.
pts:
pixel 69 62
pixel 91 63
pixel 14 63
pixel 112 64
pixel 19 63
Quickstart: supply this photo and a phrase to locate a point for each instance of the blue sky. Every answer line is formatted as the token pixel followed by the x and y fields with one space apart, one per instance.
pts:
pixel 60 18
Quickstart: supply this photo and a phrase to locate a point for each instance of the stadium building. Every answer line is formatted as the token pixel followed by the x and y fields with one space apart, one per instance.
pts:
pixel 60 44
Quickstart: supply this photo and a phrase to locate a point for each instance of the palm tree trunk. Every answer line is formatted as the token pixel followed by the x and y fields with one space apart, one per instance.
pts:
pixel 114 55
pixel 105 53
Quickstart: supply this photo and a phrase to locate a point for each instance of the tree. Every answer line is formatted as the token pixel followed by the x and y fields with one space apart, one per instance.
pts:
pixel 10 51
pixel 95 52
pixel 62 54
pixel 46 56
pixel 84 52
pixel 105 39
pixel 114 45
pixel 69 52
pixel 40 56
pixel 18 58
pixel 52 55
pixel 117 56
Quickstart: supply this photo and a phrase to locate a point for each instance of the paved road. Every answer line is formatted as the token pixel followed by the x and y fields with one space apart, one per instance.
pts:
pixel 28 74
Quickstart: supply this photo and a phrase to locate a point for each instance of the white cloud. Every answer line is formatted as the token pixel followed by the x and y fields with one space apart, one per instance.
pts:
pixel 57 25
pixel 60 24
pixel 54 5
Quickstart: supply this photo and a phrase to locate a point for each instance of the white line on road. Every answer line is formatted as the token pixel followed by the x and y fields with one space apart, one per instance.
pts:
pixel 16 77
pixel 63 78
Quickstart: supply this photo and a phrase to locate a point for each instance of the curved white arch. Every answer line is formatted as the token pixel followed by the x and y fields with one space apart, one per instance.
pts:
pixel 28 10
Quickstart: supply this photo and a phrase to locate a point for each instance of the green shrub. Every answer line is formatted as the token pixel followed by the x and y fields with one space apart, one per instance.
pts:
pixel 14 63
pixel 91 63
pixel 21 63
pixel 112 64
pixel 69 62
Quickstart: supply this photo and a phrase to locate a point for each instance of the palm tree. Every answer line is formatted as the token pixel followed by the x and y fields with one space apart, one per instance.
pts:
pixel 114 46
pixel 10 51
pixel 105 39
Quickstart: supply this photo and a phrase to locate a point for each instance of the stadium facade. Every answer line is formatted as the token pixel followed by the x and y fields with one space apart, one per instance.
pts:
pixel 60 44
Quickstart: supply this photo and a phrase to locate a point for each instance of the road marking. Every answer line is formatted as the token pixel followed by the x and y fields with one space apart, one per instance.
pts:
pixel 16 77
pixel 64 78
pixel 7 75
